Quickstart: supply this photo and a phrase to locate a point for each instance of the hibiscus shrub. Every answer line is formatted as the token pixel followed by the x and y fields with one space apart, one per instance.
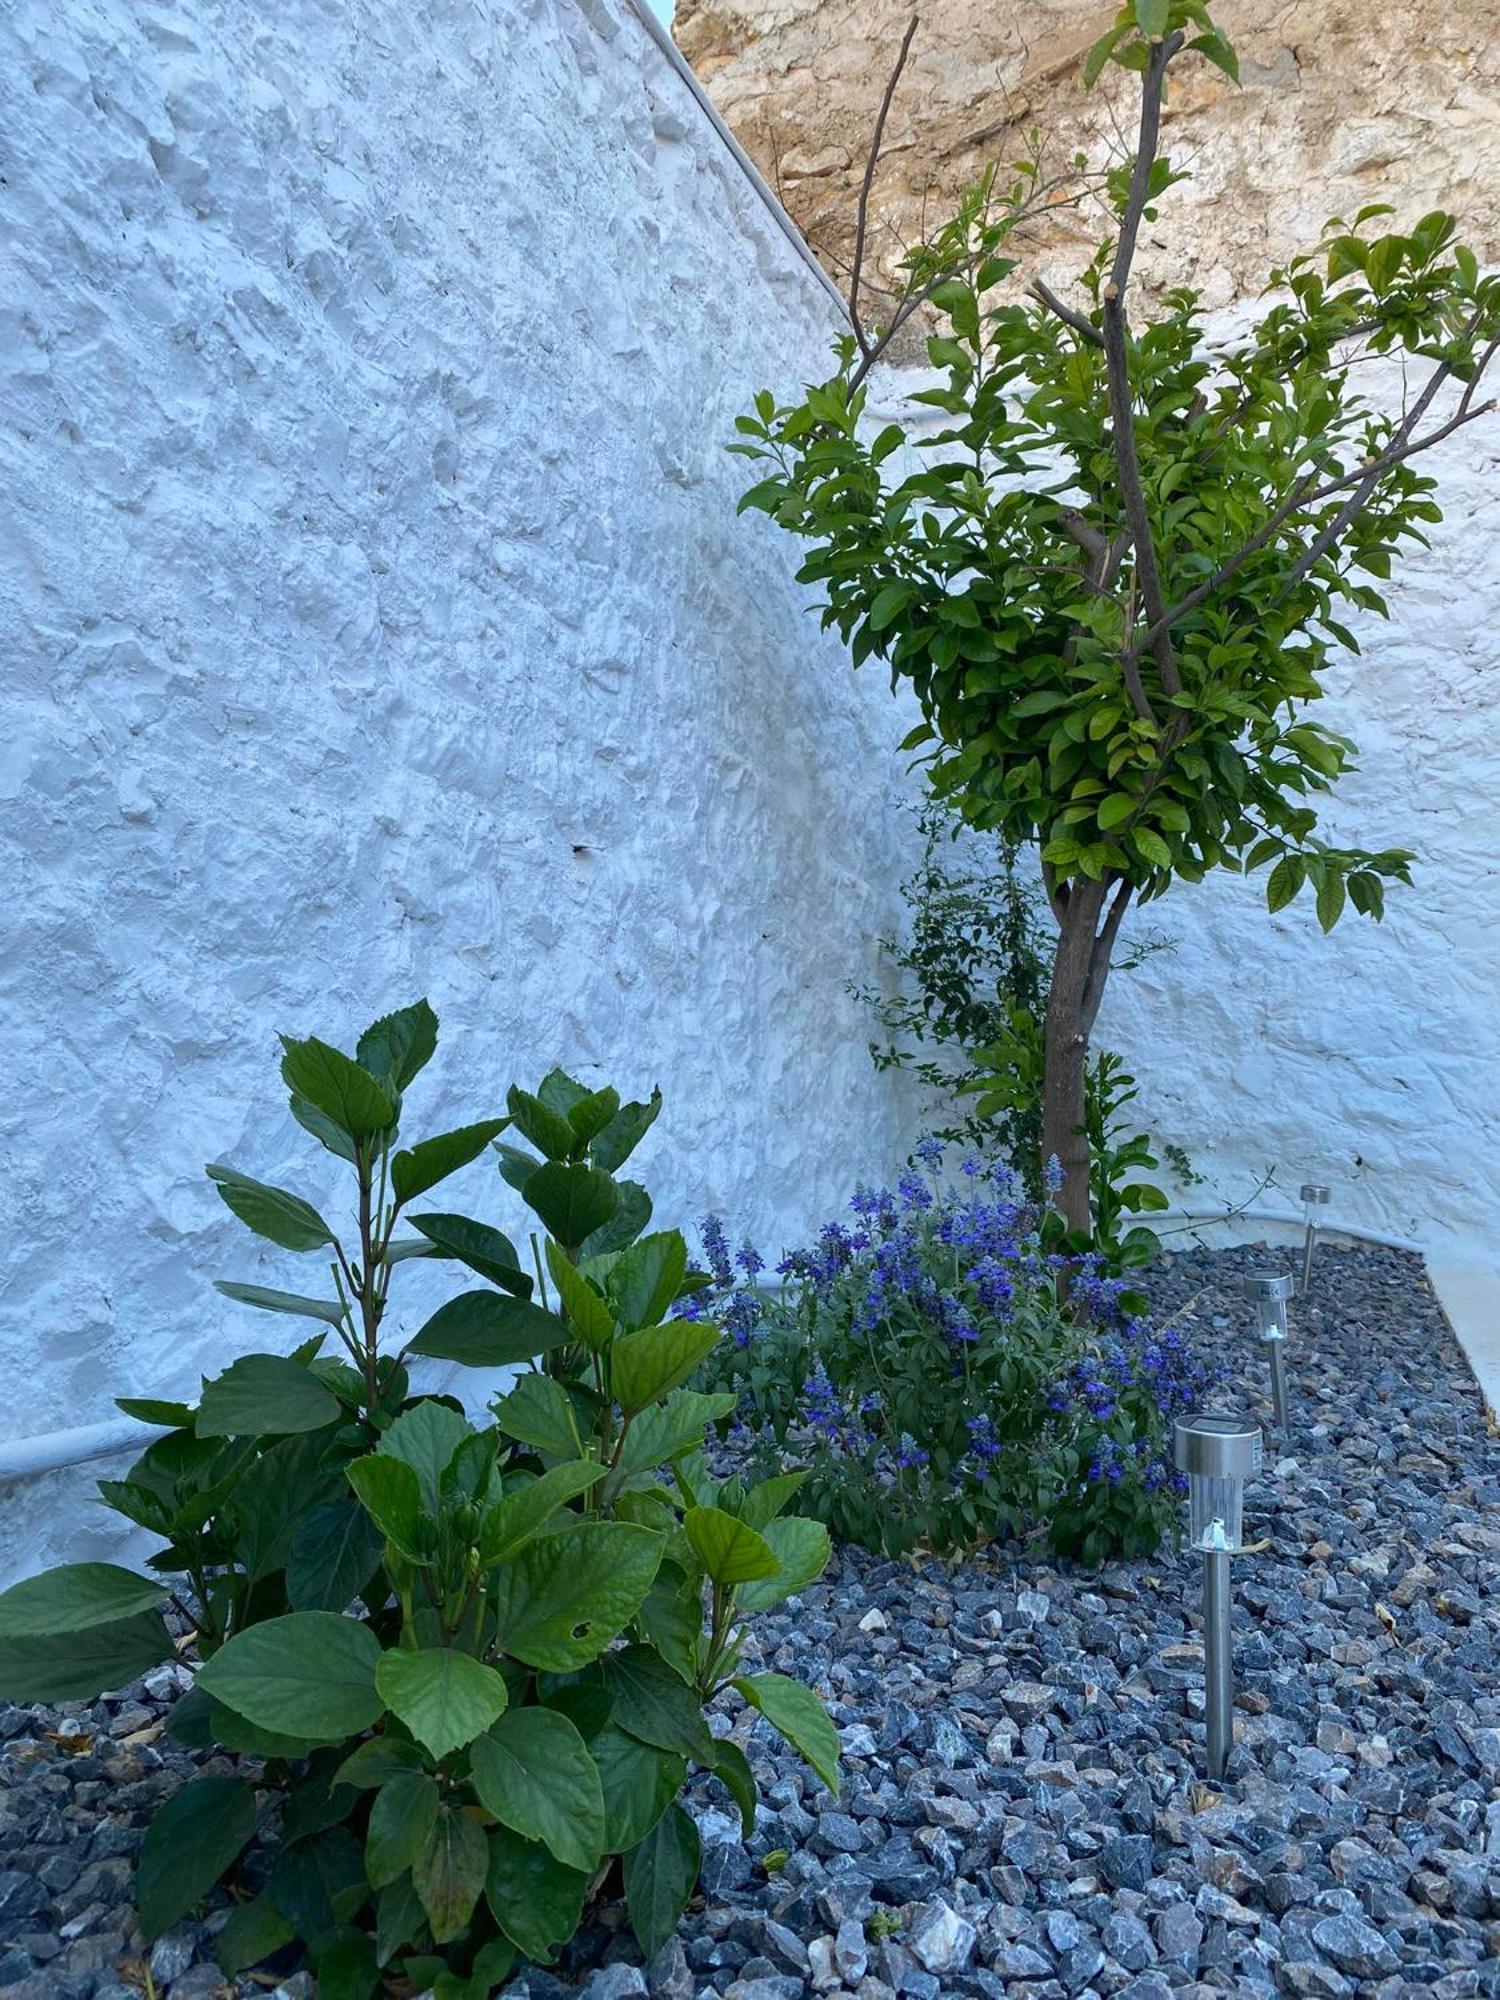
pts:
pixel 917 1365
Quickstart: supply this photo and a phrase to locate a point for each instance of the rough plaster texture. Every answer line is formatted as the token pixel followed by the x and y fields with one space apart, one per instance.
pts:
pixel 378 623
pixel 1344 102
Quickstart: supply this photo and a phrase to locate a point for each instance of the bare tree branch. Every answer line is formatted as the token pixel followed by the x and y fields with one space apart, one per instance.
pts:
pixel 1085 330
pixel 1099 957
pixel 1104 559
pixel 863 215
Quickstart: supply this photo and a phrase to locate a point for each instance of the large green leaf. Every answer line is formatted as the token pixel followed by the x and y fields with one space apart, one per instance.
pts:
pixel 728 1550
pixel 624 1133
pixel 194 1837
pixel 335 1552
pixel 420 1167
pixel 533 1771
pixel 271 1212
pixel 795 1712
pixel 399 1046
pixel 74 1597
pixel 801 1548
pixel 80 1665
pixel 548 1130
pixel 672 1618
pixel 251 1932
pixel 512 1522
pixel 563 1598
pixel 639 1783
pixel 449 1872
pixel 560 1092
pixel 444 1697
pixel 660 1874
pixel 488 1251
pixel 590 1114
pixel 308 1674
pixel 390 1495
pixel 376 1762
pixel 667 1429
pixel 399 1918
pixel 534 1899
pixel 402 1815
pixel 646 1278
pixel 346 1963
pixel 343 1090
pixel 732 1769
pixel 648 1364
pixel 654 1703
pixel 631 1214
pixel 571 1201
pixel 537 1412
pixel 425 1437
pixel 265 1395
pixel 282 1302
pixel 589 1317
pixel 484 1330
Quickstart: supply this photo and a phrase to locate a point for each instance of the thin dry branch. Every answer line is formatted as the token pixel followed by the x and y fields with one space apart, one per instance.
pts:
pixel 863 213
pixel 1086 331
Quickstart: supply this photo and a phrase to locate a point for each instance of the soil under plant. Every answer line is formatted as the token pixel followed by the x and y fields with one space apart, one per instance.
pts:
pixel 1023 1812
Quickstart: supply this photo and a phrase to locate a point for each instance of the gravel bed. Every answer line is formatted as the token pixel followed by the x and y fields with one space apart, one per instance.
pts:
pixel 1022 1811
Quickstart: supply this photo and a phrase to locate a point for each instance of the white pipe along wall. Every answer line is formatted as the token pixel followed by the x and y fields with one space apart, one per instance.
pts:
pixel 380 624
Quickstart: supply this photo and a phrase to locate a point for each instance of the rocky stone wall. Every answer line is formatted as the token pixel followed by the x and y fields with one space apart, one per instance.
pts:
pixel 378 623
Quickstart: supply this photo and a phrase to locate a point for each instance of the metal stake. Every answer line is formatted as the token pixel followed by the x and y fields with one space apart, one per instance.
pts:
pixel 1314 1197
pixel 1269 1291
pixel 1218 1454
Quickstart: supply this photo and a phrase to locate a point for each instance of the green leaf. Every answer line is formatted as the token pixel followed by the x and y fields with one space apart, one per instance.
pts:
pixel 1117 807
pixel 399 1046
pixel 770 1497
pixel 194 1837
pixel 155 1410
pixel 345 1092
pixel 282 1302
pixel 1100 54
pixel 1215 49
pixel 625 1131
pixel 399 1918
pixel 632 1213
pixel 422 1166
pixel 271 1212
pixel 81 1665
pixel 562 1600
pixel 390 1494
pixel 660 1874
pixel 488 1251
pixel 483 1330
pixel 646 1365
pixel 801 1549
pixel 537 1412
pixel 335 1552
pixel 516 1166
pixel 533 1771
pixel 347 1965
pixel 376 1762
pixel 795 1712
pixel 264 1395
pixel 319 1883
pixel 251 1932
pixel 1330 899
pixel 308 1674
pixel 1151 847
pixel 571 1202
pixel 672 1615
pixel 1151 17
pixel 401 1817
pixel 425 1437
pixel 548 1130
pixel 445 1698
pixel 534 1899
pixel 512 1522
pixel 590 1114
pixel 728 1550
pixel 1284 880
pixel 665 1430
pixel 646 1279
pixel 639 1783
pixel 588 1314
pixel 655 1704
pixel 449 1873
pixel 732 1769
pixel 75 1597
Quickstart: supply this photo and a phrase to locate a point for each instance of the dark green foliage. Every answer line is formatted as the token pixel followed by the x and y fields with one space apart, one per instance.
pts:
pixel 474 1659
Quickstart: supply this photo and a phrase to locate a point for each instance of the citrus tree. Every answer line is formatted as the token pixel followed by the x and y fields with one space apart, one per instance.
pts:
pixel 1117 577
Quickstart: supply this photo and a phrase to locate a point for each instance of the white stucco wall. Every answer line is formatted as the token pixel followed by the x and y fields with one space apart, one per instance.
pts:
pixel 378 623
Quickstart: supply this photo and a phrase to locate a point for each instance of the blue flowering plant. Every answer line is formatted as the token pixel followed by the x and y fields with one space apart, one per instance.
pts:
pixel 917 1365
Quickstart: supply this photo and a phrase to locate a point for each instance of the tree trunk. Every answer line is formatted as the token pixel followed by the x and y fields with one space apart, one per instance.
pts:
pixel 1080 968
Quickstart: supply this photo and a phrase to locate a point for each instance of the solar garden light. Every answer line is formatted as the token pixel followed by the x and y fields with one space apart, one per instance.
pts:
pixel 1269 1291
pixel 1218 1454
pixel 1314 1198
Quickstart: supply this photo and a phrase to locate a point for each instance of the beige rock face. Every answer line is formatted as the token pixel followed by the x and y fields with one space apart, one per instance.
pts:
pixel 1344 102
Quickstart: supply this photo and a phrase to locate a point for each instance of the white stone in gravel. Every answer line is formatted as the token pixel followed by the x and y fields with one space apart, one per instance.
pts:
pixel 1033 1607
pixel 941 1939
pixel 825 1975
pixel 874 1620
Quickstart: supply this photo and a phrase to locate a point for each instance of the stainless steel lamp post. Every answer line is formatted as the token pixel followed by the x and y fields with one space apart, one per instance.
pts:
pixel 1218 1454
pixel 1269 1291
pixel 1314 1198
